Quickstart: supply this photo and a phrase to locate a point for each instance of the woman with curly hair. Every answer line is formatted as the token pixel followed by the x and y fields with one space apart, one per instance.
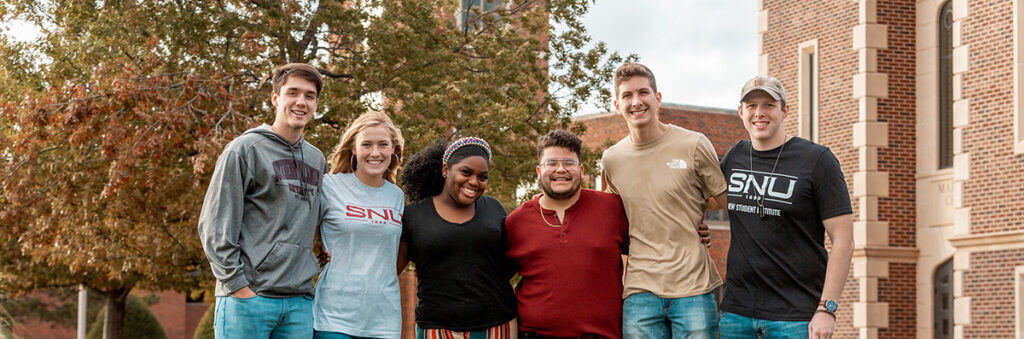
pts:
pixel 357 294
pixel 455 236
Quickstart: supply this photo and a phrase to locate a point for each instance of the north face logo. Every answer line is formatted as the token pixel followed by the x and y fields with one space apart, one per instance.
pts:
pixel 676 163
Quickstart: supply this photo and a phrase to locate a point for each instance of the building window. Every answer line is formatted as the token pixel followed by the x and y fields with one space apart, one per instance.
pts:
pixel 471 10
pixel 942 286
pixel 946 85
pixel 1018 77
pixel 809 90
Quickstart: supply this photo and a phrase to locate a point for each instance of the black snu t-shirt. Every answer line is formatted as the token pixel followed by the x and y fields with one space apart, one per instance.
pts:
pixel 462 270
pixel 776 264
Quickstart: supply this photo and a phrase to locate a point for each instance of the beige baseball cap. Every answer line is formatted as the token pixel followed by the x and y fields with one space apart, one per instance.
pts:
pixel 766 83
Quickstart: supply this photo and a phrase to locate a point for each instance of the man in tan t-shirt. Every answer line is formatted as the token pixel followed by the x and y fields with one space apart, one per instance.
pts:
pixel 665 175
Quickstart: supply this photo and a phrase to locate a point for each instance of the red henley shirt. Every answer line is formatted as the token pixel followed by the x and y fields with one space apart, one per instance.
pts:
pixel 572 275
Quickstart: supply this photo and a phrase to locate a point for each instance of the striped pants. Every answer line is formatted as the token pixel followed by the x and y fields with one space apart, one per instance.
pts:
pixel 509 330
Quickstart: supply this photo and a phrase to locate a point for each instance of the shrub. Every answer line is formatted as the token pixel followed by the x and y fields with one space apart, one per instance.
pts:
pixel 204 330
pixel 139 321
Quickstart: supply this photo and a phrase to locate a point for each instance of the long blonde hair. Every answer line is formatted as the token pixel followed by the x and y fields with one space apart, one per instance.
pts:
pixel 341 159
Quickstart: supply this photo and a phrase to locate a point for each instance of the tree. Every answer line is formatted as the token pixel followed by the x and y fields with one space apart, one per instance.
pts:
pixel 112 120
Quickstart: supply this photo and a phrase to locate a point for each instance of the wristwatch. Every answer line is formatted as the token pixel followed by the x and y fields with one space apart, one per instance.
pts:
pixel 830 306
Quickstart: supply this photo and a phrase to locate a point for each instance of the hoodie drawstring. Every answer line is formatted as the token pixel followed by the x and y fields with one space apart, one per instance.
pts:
pixel 302 179
pixel 301 170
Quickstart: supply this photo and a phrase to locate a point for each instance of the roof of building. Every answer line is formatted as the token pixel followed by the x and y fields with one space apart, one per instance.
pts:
pixel 664 105
pixel 722 126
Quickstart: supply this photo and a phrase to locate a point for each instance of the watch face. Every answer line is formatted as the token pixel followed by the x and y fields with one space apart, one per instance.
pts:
pixel 831 305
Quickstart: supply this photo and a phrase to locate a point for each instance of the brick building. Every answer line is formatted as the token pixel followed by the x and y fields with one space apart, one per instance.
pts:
pixel 921 102
pixel 722 126
pixel 178 316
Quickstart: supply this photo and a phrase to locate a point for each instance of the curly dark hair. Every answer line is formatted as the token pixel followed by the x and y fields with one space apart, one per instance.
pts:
pixel 559 138
pixel 421 174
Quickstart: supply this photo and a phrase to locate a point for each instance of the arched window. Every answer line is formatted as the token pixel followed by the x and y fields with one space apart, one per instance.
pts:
pixel 946 86
pixel 943 301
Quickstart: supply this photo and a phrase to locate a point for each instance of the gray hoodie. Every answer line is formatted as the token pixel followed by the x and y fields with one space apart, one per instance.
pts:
pixel 259 215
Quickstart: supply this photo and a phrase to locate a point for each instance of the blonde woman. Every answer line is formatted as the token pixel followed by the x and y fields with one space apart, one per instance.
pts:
pixel 357 295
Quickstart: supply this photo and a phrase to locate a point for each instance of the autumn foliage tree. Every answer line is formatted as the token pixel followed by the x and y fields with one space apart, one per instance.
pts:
pixel 111 121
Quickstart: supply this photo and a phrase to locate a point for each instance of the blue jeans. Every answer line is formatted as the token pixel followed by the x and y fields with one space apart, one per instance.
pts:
pixel 263 317
pixel 645 315
pixel 333 335
pixel 741 327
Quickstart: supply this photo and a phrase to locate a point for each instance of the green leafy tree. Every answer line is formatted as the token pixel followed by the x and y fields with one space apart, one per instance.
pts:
pixel 111 121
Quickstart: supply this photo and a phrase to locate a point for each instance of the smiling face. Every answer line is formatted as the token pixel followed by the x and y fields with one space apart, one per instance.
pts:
pixel 373 149
pixel 638 103
pixel 559 173
pixel 466 180
pixel 294 103
pixel 763 118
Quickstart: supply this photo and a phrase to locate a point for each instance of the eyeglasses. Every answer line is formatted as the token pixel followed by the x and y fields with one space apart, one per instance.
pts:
pixel 552 164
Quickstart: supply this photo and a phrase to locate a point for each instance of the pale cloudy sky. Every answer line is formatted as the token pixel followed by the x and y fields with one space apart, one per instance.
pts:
pixel 701 51
pixel 19 30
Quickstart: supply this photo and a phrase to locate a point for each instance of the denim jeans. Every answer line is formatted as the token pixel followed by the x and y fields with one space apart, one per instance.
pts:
pixel 645 315
pixel 333 335
pixel 263 317
pixel 741 327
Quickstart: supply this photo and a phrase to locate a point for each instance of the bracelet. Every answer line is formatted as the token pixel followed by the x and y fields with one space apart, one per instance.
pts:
pixel 826 311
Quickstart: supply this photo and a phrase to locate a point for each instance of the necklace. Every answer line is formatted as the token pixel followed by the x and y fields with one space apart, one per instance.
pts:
pixel 750 152
pixel 541 209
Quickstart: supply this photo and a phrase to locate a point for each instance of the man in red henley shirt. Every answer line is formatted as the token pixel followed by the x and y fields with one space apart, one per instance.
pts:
pixel 567 243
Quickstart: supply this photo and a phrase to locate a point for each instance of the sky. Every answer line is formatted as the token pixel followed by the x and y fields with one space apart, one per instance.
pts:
pixel 701 51
pixel 19 30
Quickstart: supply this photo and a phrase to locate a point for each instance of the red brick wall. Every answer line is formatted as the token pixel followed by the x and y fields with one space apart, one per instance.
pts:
pixel 791 23
pixel 844 317
pixel 178 318
pixel 996 173
pixel 899 111
pixel 38 329
pixel 900 161
pixel 170 310
pixel 900 291
pixel 193 314
pixel 831 23
pixel 31 328
pixel 989 284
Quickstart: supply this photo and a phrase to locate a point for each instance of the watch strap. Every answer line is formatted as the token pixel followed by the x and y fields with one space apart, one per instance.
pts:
pixel 824 303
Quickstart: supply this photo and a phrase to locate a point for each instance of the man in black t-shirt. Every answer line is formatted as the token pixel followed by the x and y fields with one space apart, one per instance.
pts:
pixel 784 194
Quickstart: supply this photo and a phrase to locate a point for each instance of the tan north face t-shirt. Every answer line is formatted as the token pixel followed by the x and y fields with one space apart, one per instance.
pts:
pixel 665 184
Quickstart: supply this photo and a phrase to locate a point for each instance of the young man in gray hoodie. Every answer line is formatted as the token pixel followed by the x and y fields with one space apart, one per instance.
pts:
pixel 259 217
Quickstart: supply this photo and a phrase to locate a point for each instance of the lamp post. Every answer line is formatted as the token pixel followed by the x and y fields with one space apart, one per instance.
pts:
pixel 83 300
